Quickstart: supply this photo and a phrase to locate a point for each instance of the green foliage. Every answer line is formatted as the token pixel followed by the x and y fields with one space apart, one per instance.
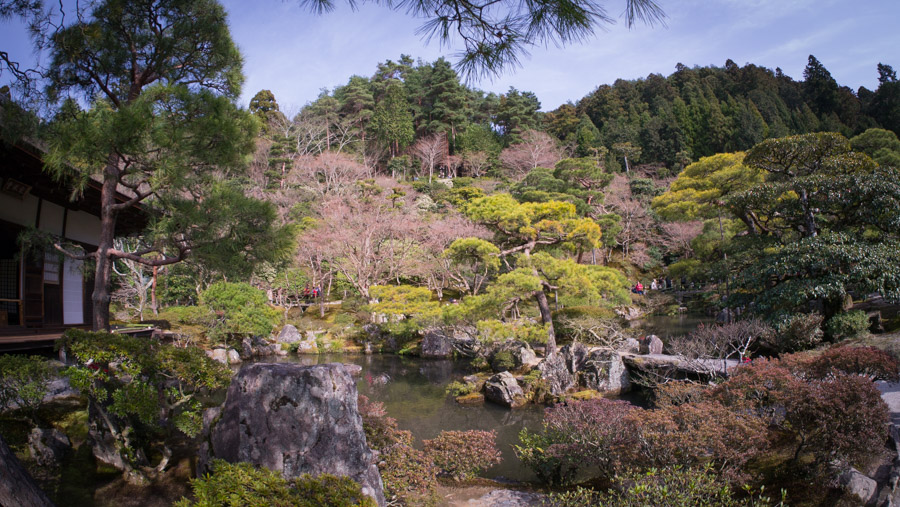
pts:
pixel 24 381
pixel 798 332
pixel 190 315
pixel 463 454
pixel 408 308
pixel 847 326
pixel 495 331
pixel 141 390
pixel 882 145
pixel 673 486
pixel 457 388
pixel 242 484
pixel 245 310
pixel 503 361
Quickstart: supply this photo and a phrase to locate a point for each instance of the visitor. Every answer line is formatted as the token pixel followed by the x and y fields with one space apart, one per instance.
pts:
pixel 639 288
pixel 653 285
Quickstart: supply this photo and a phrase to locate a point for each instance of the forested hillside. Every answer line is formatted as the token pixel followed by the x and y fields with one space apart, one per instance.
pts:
pixel 414 108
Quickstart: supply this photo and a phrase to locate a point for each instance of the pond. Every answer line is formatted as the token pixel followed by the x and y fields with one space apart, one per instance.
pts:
pixel 413 392
pixel 669 326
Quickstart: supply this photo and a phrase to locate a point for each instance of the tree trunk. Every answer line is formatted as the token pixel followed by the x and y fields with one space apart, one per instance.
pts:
pixel 16 485
pixel 103 274
pixel 809 218
pixel 547 319
pixel 153 303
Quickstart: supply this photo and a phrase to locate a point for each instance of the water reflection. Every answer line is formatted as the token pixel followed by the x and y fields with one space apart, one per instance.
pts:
pixel 668 326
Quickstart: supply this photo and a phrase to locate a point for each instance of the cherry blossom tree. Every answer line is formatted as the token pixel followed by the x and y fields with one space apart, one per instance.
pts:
pixel 537 149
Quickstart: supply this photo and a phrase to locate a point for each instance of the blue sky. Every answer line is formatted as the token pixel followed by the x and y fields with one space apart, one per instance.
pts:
pixel 295 53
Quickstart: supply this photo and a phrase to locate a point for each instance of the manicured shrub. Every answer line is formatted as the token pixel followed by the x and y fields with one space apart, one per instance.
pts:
pixel 697 434
pixel 579 440
pixel 678 393
pixel 847 326
pixel 837 418
pixel 463 454
pixel 798 332
pixel 23 382
pixel 190 315
pixel 242 484
pixel 868 362
pixel 409 475
pixel 673 486
pixel 244 309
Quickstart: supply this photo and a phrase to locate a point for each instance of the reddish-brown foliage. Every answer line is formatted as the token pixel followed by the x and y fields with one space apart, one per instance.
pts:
pixel 868 362
pixel 695 434
pixel 463 454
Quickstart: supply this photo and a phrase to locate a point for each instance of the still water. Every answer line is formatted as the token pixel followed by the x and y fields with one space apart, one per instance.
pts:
pixel 413 392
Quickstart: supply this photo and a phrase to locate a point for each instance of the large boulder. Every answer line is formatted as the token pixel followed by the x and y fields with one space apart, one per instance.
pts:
pixel 651 344
pixel 296 419
pixel 48 446
pixel 604 371
pixel 556 374
pixel 16 486
pixel 859 486
pixel 289 334
pixel 436 344
pixel 630 345
pixel 503 389
pixel 574 355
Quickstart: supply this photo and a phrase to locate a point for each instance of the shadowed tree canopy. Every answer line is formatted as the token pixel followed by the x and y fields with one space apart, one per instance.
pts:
pixel 161 77
pixel 496 33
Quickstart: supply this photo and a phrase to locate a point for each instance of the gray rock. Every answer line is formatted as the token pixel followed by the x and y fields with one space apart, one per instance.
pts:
pixel 296 419
pixel 308 345
pixel 246 349
pixel 574 354
pixel 604 371
pixel 353 369
pixel 103 444
pixel 289 334
pixel 859 486
pixel 556 374
pixel 520 352
pixel 507 498
pixel 220 355
pixel 59 388
pixel 436 344
pixel 48 446
pixel 17 487
pixel 651 344
pixel 503 389
pixel 631 345
pixel 233 357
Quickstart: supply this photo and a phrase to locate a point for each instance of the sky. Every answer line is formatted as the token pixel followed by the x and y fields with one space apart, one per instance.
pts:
pixel 295 53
